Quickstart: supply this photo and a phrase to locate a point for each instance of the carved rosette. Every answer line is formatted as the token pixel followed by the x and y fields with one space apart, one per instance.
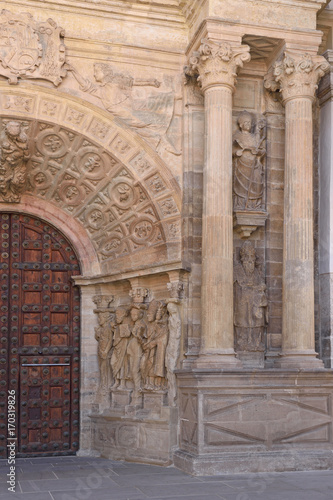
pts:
pixel 217 63
pixel 297 75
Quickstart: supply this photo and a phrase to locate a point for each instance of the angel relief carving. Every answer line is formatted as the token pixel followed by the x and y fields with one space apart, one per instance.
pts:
pixel 139 348
pixel 149 113
pixel 14 154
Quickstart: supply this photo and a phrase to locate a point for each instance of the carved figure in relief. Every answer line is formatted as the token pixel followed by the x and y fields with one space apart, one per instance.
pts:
pixel 134 348
pixel 173 349
pixel 149 114
pixel 14 154
pixel 122 333
pixel 248 154
pixel 147 360
pixel 104 337
pixel 250 302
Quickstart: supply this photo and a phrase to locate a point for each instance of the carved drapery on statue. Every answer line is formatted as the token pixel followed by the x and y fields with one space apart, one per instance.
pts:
pixel 31 49
pixel 248 173
pixel 250 308
pixel 138 349
pixel 14 154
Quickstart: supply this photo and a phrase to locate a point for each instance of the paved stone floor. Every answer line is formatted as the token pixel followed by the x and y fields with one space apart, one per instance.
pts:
pixel 72 478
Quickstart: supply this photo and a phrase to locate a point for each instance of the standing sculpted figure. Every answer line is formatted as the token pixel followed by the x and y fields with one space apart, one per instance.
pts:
pixel 250 299
pixel 14 154
pixel 104 337
pixel 134 348
pixel 173 349
pixel 147 360
pixel 122 333
pixel 248 153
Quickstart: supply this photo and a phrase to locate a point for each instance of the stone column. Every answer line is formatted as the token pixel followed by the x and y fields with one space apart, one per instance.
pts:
pixel 216 65
pixel 298 76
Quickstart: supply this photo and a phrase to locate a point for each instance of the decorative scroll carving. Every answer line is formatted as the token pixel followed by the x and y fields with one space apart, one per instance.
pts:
pixel 14 154
pixel 31 49
pixel 250 303
pixel 148 113
pixel 104 337
pixel 217 63
pixel 248 176
pixel 297 75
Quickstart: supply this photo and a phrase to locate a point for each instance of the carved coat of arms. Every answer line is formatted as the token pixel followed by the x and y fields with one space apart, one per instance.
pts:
pixel 31 49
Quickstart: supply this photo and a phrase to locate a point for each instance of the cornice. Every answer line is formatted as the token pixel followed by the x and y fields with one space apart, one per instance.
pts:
pixel 157 12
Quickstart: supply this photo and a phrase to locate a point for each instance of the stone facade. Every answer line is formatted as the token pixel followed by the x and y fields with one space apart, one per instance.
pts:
pixel 185 150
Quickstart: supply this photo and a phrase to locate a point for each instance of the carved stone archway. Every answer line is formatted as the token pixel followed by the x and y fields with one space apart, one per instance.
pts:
pixel 102 175
pixel 104 188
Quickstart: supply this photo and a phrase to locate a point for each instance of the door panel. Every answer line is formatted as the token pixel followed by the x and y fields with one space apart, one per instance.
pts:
pixel 40 327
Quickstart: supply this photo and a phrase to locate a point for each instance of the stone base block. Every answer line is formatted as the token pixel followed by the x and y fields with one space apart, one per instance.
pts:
pixel 255 420
pixel 137 438
pixel 120 398
pixel 237 463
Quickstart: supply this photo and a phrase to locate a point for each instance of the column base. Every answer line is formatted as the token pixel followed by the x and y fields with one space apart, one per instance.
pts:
pixel 306 360
pixel 218 360
pixel 240 463
pixel 254 421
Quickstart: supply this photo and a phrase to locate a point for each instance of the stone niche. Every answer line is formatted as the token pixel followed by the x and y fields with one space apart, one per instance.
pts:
pixel 138 347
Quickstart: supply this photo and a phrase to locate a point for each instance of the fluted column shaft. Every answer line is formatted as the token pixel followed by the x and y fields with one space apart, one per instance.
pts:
pixel 298 76
pixel 298 265
pixel 217 230
pixel 215 65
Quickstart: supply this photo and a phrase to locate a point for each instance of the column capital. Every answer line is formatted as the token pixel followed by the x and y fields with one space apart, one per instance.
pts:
pixel 297 75
pixel 217 63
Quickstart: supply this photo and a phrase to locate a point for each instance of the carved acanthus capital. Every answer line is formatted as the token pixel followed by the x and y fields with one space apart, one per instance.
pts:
pixel 217 63
pixel 297 75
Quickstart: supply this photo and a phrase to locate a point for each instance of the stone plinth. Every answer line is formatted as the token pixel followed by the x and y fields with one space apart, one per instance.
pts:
pixel 283 418
pixel 137 438
pixel 247 221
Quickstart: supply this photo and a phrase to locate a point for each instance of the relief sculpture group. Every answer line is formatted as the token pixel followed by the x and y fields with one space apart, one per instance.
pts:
pixel 138 347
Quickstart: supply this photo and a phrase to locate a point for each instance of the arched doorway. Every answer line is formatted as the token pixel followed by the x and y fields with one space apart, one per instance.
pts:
pixel 40 336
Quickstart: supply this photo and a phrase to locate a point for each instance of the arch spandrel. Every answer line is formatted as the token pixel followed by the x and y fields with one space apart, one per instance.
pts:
pixel 99 174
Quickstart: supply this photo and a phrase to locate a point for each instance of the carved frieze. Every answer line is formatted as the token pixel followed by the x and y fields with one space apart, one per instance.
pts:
pixel 31 49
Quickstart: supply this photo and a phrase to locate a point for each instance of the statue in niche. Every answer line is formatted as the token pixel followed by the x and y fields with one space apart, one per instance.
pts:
pixel 134 349
pixel 149 114
pixel 122 333
pixel 104 337
pixel 14 154
pixel 250 302
pixel 155 347
pixel 248 154
pixel 173 349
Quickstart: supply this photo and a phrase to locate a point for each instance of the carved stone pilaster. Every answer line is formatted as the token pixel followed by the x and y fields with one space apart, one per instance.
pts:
pixel 217 63
pixel 297 75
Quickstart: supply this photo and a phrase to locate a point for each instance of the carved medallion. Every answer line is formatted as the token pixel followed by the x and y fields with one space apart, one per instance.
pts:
pixel 31 49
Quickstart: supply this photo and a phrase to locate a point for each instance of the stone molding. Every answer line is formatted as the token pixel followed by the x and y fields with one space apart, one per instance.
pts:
pixel 217 63
pixel 297 75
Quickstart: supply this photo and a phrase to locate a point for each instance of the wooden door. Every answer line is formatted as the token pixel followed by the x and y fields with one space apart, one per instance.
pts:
pixel 40 336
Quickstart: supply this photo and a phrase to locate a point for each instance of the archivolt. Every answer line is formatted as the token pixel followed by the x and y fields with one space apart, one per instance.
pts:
pixel 100 183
